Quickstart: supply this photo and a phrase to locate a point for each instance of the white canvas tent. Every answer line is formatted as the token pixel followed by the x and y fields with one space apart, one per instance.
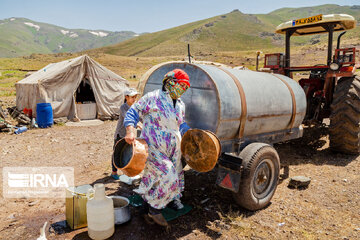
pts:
pixel 58 84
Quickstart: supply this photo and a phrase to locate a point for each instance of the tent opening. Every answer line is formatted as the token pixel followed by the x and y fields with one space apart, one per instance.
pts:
pixel 84 93
pixel 85 101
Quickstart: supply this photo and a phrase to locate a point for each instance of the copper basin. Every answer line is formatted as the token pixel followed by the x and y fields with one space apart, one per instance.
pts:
pixel 130 159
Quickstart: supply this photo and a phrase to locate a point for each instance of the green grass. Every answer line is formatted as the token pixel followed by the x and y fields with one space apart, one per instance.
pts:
pixel 230 32
pixel 8 79
pixel 7 93
pixel 18 39
pixel 234 31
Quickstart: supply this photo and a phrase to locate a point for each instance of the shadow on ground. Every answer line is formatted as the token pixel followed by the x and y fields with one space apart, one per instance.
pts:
pixel 209 204
pixel 312 148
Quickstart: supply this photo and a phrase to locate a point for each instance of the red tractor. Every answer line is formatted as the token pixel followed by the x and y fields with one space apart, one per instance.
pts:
pixel 332 90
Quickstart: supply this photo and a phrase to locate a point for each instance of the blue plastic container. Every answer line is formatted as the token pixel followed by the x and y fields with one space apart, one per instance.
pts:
pixel 44 115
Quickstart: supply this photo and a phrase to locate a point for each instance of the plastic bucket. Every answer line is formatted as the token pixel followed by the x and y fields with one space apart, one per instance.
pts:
pixel 44 115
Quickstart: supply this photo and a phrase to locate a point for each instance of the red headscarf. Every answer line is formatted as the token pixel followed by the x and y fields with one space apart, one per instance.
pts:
pixel 178 75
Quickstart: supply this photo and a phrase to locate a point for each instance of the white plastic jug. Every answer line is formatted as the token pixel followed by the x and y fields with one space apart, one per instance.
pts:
pixel 100 214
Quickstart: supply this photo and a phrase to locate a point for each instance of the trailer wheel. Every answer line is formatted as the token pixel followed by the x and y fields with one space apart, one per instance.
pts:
pixel 260 176
pixel 344 129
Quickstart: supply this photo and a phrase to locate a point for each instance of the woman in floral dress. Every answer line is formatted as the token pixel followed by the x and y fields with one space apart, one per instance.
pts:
pixel 163 115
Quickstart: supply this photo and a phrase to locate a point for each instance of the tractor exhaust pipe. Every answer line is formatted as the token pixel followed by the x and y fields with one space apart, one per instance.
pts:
pixel 338 40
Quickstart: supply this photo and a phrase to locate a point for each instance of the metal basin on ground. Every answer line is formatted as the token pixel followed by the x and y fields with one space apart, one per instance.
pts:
pixel 121 209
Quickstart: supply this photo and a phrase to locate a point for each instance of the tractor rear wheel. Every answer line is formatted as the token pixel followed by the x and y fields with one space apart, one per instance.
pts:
pixel 345 116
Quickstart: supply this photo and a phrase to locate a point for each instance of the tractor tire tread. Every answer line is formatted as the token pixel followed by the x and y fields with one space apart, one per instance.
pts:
pixel 344 131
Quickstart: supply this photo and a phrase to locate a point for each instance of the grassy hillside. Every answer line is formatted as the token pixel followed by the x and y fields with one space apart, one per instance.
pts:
pixel 227 32
pixel 234 31
pixel 286 14
pixel 290 13
pixel 21 36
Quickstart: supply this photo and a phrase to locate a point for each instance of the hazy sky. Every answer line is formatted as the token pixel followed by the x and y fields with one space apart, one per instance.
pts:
pixel 140 15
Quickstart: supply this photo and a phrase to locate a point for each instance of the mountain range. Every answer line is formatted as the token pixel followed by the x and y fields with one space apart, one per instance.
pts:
pixel 234 31
pixel 21 36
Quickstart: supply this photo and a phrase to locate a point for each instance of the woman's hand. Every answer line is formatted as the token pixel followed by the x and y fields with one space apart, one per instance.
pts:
pixel 130 135
pixel 139 126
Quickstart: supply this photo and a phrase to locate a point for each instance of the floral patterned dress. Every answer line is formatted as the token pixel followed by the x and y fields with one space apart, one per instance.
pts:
pixel 163 177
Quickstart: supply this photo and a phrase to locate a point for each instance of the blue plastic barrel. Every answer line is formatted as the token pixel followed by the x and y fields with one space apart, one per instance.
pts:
pixel 44 115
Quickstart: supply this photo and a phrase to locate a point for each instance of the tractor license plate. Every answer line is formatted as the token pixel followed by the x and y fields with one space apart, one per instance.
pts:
pixel 303 21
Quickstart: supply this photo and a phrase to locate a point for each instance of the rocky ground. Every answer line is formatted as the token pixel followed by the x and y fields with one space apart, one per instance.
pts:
pixel 327 209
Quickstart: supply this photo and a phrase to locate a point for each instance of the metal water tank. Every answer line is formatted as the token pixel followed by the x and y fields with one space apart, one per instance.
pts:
pixel 239 106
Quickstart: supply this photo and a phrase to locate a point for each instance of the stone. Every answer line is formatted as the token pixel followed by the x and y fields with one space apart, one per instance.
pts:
pixel 60 120
pixel 299 182
pixel 32 203
pixel 28 74
pixel 226 226
pixel 204 201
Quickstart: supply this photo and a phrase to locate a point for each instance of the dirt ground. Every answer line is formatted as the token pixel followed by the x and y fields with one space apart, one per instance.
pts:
pixel 327 209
